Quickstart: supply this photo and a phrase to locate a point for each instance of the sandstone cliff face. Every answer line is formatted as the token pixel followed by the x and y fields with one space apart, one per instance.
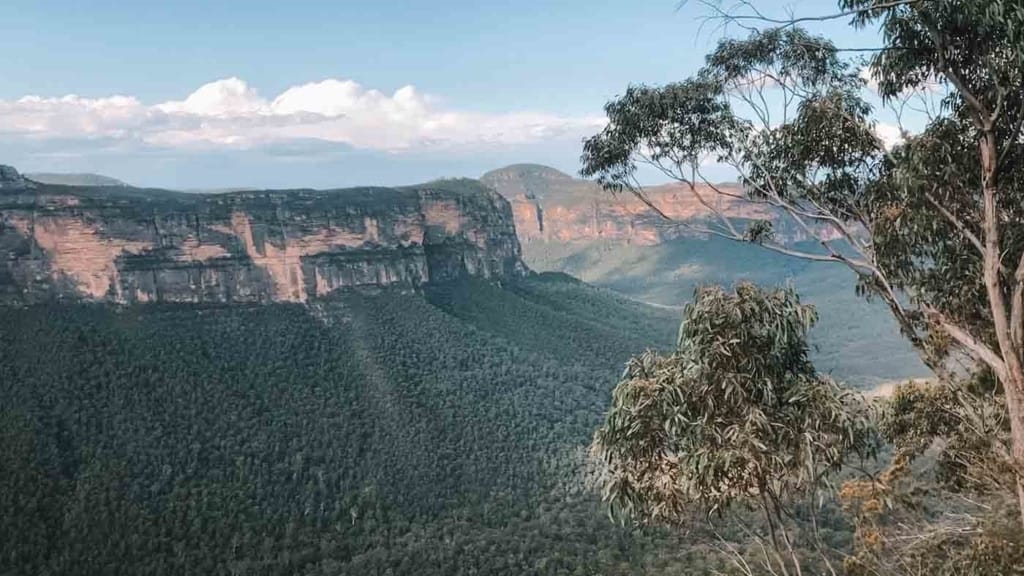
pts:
pixel 130 245
pixel 551 206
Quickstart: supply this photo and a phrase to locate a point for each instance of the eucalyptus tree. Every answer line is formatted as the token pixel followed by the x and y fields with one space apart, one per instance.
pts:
pixel 736 416
pixel 930 222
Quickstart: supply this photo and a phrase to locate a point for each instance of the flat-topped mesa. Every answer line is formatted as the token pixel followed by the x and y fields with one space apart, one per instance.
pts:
pixel 550 205
pixel 126 245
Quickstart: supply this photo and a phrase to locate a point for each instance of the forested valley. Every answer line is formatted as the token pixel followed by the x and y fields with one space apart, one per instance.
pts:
pixel 377 384
pixel 370 433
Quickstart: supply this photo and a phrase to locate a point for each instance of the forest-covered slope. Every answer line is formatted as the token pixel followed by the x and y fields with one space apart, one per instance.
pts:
pixel 383 433
pixel 856 340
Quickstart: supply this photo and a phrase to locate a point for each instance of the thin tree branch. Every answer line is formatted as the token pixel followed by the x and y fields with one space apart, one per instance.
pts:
pixel 787 22
pixel 955 221
pixel 974 347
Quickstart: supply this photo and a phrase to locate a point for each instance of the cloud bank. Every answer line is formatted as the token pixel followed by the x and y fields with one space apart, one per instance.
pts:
pixel 229 113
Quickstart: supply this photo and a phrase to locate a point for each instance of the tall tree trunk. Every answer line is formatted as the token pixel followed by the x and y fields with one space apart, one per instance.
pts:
pixel 1015 409
pixel 1012 376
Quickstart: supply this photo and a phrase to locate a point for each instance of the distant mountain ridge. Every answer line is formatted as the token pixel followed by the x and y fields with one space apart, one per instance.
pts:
pixel 530 180
pixel 74 179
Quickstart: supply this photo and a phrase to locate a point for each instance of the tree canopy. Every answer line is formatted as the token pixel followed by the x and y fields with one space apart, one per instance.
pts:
pixel 735 416
pixel 930 223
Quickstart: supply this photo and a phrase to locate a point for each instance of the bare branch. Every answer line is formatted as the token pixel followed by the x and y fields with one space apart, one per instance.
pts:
pixel 974 347
pixel 758 16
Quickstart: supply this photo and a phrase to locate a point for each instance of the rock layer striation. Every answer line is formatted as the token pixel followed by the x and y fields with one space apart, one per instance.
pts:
pixel 128 245
pixel 551 206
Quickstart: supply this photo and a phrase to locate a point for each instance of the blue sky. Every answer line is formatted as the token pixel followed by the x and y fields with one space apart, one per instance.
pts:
pixel 328 93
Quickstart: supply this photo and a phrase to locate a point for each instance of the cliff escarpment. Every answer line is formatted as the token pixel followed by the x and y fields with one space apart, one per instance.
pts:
pixel 128 245
pixel 551 206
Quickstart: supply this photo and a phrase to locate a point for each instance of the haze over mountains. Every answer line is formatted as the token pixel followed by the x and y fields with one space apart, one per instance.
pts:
pixel 572 226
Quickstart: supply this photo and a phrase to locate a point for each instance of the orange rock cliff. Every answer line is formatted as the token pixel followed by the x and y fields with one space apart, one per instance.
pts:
pixel 129 245
pixel 550 206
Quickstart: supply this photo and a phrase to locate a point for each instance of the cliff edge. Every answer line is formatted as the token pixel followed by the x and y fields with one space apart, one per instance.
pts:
pixel 127 245
pixel 551 206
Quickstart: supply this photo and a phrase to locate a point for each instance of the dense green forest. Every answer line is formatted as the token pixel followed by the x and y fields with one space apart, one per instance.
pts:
pixel 386 433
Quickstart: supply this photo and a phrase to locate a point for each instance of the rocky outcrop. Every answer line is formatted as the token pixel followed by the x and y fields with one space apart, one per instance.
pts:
pixel 552 206
pixel 132 245
pixel 10 179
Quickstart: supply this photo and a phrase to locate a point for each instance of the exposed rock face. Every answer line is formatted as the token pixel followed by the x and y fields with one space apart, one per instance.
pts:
pixel 131 245
pixel 11 179
pixel 552 206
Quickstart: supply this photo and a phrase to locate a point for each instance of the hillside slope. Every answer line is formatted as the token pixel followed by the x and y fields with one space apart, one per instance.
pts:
pixel 856 340
pixel 367 433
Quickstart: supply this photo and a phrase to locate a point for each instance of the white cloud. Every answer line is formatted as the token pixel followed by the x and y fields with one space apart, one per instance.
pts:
pixel 867 75
pixel 230 113
pixel 933 85
pixel 33 115
pixel 890 135
pixel 228 97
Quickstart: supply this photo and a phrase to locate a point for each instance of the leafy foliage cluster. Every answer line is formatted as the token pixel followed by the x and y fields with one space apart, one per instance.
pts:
pixel 737 412
pixel 736 417
pixel 945 504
